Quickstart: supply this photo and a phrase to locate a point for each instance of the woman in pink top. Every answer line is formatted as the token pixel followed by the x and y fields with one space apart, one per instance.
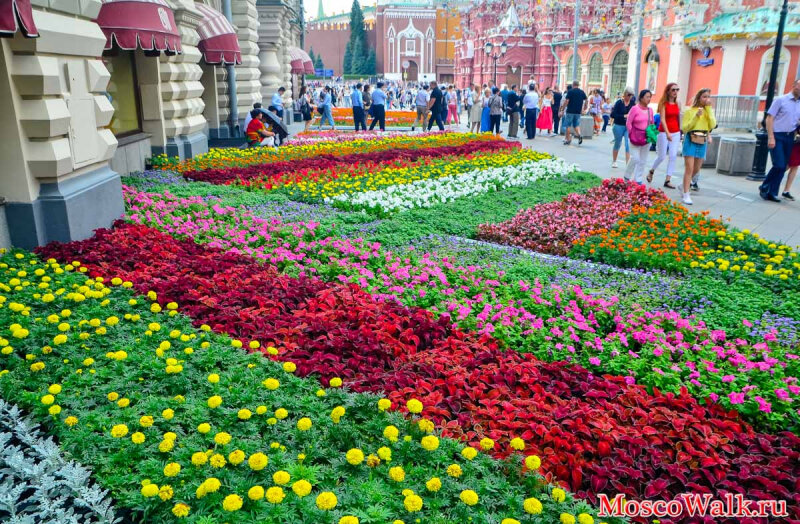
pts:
pixel 639 118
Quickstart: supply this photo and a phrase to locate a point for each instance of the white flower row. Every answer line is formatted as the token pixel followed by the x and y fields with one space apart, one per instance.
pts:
pixel 432 191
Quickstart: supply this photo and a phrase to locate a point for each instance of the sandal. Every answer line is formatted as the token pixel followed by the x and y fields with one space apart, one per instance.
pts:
pixel 650 175
pixel 669 185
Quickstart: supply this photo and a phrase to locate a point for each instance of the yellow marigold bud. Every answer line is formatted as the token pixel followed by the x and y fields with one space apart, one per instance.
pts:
pixel 204 428
pixel 385 454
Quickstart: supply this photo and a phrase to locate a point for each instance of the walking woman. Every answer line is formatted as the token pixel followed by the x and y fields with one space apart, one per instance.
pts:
pixel 697 123
pixel 476 110
pixel 606 113
pixel 639 117
pixel 545 120
pixel 452 106
pixel 669 133
pixel 306 108
pixel 596 110
pixel 620 116
pixel 495 110
pixel 485 120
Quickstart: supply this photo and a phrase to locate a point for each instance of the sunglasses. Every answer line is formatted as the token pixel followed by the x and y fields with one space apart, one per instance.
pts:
pixel 674 89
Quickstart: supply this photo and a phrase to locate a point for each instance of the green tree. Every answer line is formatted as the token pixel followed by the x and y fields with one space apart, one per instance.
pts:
pixel 358 57
pixel 370 62
pixel 318 62
pixel 347 61
pixel 311 56
pixel 358 40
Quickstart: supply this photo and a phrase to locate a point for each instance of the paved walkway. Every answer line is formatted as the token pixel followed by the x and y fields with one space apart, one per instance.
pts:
pixel 733 198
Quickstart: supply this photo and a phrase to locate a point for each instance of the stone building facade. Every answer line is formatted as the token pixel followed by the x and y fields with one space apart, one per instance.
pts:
pixel 85 97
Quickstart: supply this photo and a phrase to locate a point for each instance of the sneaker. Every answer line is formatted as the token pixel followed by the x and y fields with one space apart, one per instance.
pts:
pixel 567 142
pixel 614 164
pixel 687 199
pixel 787 196
pixel 580 140
pixel 694 187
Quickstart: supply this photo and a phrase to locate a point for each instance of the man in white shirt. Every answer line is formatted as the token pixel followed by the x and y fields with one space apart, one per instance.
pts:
pixel 531 104
pixel 277 101
pixel 248 118
pixel 421 101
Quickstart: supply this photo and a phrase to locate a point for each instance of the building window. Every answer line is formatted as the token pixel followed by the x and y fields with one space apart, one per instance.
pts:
pixel 123 92
pixel 619 73
pixel 570 65
pixel 766 68
pixel 411 46
pixel 652 60
pixel 595 69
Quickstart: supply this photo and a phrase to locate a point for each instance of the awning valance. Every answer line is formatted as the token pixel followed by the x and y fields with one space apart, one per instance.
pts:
pixel 218 41
pixel 145 24
pixel 300 61
pixel 17 15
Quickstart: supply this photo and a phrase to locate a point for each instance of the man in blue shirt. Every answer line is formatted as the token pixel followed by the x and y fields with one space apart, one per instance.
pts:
pixel 435 104
pixel 378 107
pixel 783 118
pixel 504 95
pixel 325 106
pixel 277 101
pixel 359 118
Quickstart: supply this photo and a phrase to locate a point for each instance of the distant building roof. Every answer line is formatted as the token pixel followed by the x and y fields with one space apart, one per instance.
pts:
pixel 368 11
pixel 753 23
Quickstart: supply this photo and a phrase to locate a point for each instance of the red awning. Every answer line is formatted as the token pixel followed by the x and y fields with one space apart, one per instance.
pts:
pixel 218 41
pixel 16 15
pixel 300 61
pixel 145 24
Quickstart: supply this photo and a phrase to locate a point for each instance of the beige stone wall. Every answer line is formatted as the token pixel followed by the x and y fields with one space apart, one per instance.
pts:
pixel 54 113
pixel 248 85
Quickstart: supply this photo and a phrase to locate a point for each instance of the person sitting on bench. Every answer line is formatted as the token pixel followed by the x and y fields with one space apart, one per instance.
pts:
pixel 257 133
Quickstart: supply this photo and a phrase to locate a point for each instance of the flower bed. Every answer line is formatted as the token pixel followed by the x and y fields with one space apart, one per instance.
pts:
pixel 168 425
pixel 343 116
pixel 659 349
pixel 314 136
pixel 431 191
pixel 555 226
pixel 593 433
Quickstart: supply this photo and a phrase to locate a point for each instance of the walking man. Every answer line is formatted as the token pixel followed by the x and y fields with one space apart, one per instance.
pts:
pixel 574 107
pixel 357 101
pixel 531 104
pixel 378 107
pixel 421 102
pixel 556 108
pixel 435 104
pixel 783 118
pixel 512 108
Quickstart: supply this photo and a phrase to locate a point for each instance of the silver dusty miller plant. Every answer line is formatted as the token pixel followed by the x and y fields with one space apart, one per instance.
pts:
pixel 37 484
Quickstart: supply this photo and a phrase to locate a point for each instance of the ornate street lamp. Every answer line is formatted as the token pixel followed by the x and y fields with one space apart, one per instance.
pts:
pixel 495 56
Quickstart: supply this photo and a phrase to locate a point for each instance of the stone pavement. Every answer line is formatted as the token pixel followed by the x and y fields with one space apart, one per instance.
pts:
pixel 732 198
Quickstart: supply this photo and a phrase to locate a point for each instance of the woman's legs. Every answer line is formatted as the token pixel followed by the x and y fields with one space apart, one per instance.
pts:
pixel 672 155
pixel 789 179
pixel 688 164
pixel 661 150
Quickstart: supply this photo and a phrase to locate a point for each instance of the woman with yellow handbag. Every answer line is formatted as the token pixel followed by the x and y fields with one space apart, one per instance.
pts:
pixel 697 122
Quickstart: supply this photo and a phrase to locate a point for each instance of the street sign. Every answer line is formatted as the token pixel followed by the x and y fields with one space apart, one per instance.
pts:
pixel 705 62
pixel 325 73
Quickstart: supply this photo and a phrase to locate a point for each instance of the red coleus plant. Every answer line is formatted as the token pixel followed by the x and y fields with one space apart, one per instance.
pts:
pixel 553 227
pixel 280 173
pixel 595 434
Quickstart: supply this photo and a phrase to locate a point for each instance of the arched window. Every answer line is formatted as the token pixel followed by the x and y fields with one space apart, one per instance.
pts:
pixel 392 58
pixel 595 69
pixel 570 65
pixel 619 73
pixel 766 67
pixel 652 59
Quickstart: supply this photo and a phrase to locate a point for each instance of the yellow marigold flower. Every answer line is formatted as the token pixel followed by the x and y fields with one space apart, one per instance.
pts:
pixel 348 519
pixel 469 453
pixel 335 382
pixel 124 402
pixel 397 474
pixel 430 442
pixel 469 497
pixel 326 501
pixel 487 444
pixel 254 344
pixel 217 461
pixel 454 470
pixel 232 503
pixel 37 366
pixel 558 494
pixel 215 401
pixel 510 521
pixel 172 469
pixel 414 406
pixel 585 518
pixel 48 399
pixel 384 404
pixel 168 414
pixel 301 488
pixel 260 410
pixel 289 367
pixel 255 493
pixel 391 433
pixel 271 384
pixel 211 484
pixel 533 462
pixel 137 438
pixel 165 493
pixel 213 378
pixel 304 424
pixel 385 454
pixel 272 350
pixel 275 495
pixel 169 435
pixel 180 510
pixel 236 343
pixel 119 431
pixel 150 490
pixel 355 456
pixel 337 413
pixel 413 503
pixel 434 484
pixel 281 478
pixel 244 414
pixel 257 461
pixel 54 389
pixel 222 438
pixel 398 521
pixel 426 425
pixel 236 457
pixel 204 428
pixel 281 413
pixel 566 518
pixel 71 421
pixel 165 446
pixel 199 458
pixel 54 410
pixel 517 444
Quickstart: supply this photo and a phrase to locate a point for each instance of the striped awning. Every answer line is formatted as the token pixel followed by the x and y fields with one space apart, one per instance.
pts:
pixel 300 61
pixel 16 15
pixel 139 24
pixel 218 41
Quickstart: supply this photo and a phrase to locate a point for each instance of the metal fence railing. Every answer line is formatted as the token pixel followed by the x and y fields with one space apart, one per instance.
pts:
pixel 736 111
